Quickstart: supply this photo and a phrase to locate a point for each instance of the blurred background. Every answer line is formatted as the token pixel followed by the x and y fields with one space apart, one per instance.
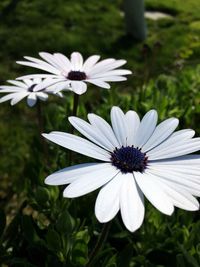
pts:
pixel 37 226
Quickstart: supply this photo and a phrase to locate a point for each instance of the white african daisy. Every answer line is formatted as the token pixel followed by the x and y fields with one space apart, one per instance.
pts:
pixel 26 88
pixel 75 73
pixel 139 158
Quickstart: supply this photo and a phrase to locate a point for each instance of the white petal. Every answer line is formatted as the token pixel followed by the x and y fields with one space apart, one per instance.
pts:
pixel 119 125
pixel 28 82
pixel 37 80
pixel 176 138
pixel 101 65
pixel 76 61
pixel 11 89
pixel 18 98
pixel 182 161
pixel 131 203
pixel 90 62
pixel 118 72
pixel 33 76
pixel 72 173
pixel 78 87
pixel 78 144
pixel 106 65
pixel 99 83
pixel 175 150
pixel 18 83
pixel 42 96
pixel 63 61
pixel 146 128
pixel 162 132
pixel 43 63
pixel 104 128
pixel 154 193
pixel 8 97
pixel 60 94
pixel 31 99
pixel 179 176
pixel 133 122
pixel 178 195
pixel 44 84
pixel 59 86
pixel 192 172
pixel 90 182
pixel 107 203
pixel 113 78
pixel 183 134
pixel 37 66
pixel 51 59
pixel 90 132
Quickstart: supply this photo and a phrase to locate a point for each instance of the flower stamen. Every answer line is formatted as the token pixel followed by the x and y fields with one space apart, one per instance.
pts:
pixel 30 89
pixel 76 75
pixel 129 159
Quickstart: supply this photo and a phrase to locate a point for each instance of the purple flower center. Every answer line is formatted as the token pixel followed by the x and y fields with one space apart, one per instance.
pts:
pixel 129 159
pixel 76 75
pixel 30 89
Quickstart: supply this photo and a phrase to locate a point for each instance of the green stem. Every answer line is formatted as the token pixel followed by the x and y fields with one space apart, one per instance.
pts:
pixel 99 244
pixel 40 120
pixel 75 108
pixel 75 105
pixel 74 113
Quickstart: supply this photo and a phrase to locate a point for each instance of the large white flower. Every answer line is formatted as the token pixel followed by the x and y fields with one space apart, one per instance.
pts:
pixel 26 88
pixel 75 73
pixel 139 158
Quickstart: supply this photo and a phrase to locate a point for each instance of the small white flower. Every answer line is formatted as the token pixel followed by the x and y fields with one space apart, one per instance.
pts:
pixel 140 159
pixel 75 73
pixel 26 88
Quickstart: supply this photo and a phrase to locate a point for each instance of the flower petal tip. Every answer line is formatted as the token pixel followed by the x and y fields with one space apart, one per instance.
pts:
pixel 67 195
pixel 45 135
pixel 46 181
pixel 71 118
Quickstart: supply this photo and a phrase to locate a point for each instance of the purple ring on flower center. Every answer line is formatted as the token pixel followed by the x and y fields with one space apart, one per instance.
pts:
pixel 129 159
pixel 30 89
pixel 76 75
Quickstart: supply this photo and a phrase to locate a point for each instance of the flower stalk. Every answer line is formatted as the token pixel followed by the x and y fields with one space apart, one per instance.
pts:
pixel 40 120
pixel 74 113
pixel 99 244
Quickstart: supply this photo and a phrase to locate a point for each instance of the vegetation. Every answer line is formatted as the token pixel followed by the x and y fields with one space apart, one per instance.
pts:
pixel 38 227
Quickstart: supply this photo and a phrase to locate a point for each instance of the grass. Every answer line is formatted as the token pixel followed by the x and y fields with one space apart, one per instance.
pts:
pixel 42 228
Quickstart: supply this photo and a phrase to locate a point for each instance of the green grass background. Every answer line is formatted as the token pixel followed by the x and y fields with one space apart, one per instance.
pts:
pixel 37 226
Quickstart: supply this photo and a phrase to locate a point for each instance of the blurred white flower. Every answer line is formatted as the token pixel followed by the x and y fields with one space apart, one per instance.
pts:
pixel 26 88
pixel 74 73
pixel 140 159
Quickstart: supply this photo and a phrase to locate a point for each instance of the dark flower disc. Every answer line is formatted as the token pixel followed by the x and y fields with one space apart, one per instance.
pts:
pixel 129 159
pixel 76 75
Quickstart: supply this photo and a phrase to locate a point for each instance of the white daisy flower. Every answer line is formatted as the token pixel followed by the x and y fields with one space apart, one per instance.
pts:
pixel 75 73
pixel 26 88
pixel 139 159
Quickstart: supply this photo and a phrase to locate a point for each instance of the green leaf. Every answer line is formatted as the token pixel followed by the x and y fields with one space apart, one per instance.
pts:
pixel 42 195
pixel 83 235
pixel 65 223
pixel 190 260
pixel 80 248
pixel 80 253
pixel 53 240
pixel 112 262
pixel 28 229
pixel 180 261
